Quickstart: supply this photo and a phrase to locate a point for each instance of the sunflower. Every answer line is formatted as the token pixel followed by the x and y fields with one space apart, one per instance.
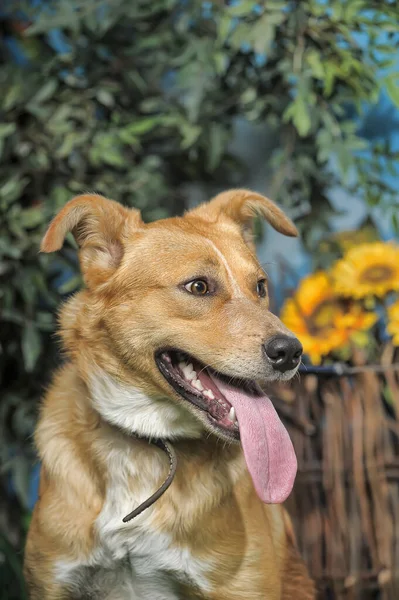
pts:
pixel 393 322
pixel 323 321
pixel 367 270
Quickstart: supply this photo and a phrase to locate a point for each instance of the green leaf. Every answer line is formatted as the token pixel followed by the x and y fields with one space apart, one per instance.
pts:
pixel 314 59
pixel 190 133
pixel 11 316
pixel 31 217
pixel 358 143
pixel 224 28
pixel 243 8
pixel 242 33
pixel 221 60
pixel 299 114
pixel 344 156
pixel 249 95
pixel 46 92
pixel 7 129
pixel 352 9
pixel 11 190
pixel 330 74
pixel 392 87
pixel 114 157
pixel 45 321
pixel 105 98
pixel 395 222
pixel 67 145
pixel 31 346
pixel 215 146
pixel 264 31
pixel 12 95
pixel 9 250
pixel 142 126
pixel 71 285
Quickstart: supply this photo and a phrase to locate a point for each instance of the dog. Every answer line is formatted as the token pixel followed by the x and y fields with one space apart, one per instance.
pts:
pixel 166 347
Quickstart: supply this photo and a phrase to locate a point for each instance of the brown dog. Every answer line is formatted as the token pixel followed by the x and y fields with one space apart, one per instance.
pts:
pixel 164 345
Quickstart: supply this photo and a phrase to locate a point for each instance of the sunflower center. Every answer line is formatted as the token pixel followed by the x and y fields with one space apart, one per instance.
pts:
pixel 322 318
pixel 376 274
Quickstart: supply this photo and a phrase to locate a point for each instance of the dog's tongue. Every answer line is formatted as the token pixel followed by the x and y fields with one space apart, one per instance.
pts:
pixel 268 450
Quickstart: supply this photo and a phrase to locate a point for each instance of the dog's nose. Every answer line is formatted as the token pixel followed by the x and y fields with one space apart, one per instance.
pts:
pixel 284 352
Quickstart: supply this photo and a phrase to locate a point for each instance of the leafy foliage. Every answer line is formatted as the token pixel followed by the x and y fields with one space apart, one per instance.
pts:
pixel 135 99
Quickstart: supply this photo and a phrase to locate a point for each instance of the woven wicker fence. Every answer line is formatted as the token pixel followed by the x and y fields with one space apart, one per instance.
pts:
pixel 345 504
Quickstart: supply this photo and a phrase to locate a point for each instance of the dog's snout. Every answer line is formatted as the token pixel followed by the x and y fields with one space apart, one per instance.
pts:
pixel 284 352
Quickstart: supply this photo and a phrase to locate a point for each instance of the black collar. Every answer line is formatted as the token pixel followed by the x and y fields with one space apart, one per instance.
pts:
pixel 166 447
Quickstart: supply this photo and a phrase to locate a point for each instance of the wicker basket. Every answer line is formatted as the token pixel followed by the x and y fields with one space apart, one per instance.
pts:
pixel 345 504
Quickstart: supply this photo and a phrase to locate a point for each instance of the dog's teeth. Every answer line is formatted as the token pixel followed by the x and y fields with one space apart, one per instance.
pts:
pixel 209 394
pixel 197 384
pixel 188 373
pixel 232 414
pixel 182 366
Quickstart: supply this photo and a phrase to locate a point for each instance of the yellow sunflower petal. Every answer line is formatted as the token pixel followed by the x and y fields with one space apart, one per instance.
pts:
pixel 367 270
pixel 321 319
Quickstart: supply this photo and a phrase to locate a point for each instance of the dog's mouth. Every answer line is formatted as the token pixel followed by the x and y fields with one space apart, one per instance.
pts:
pixel 198 384
pixel 237 410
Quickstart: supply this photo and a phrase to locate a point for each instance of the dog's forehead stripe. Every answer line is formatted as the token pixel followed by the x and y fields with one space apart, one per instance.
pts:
pixel 198 235
pixel 237 292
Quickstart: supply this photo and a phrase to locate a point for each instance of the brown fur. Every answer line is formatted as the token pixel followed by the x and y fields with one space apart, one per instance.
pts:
pixel 132 273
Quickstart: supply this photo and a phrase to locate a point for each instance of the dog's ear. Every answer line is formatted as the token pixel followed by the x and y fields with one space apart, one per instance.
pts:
pixel 242 206
pixel 98 226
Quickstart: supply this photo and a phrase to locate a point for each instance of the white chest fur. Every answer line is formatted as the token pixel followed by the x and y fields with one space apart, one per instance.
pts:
pixel 150 551
pixel 135 560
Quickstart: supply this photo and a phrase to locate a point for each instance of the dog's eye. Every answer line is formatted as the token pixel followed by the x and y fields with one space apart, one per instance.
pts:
pixel 261 288
pixel 198 287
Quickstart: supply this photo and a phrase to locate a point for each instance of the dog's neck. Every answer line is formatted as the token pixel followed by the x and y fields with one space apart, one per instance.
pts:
pixel 131 414
pixel 109 399
pixel 113 457
pixel 132 411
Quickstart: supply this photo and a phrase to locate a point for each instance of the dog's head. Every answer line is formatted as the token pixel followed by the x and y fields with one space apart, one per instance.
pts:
pixel 177 310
